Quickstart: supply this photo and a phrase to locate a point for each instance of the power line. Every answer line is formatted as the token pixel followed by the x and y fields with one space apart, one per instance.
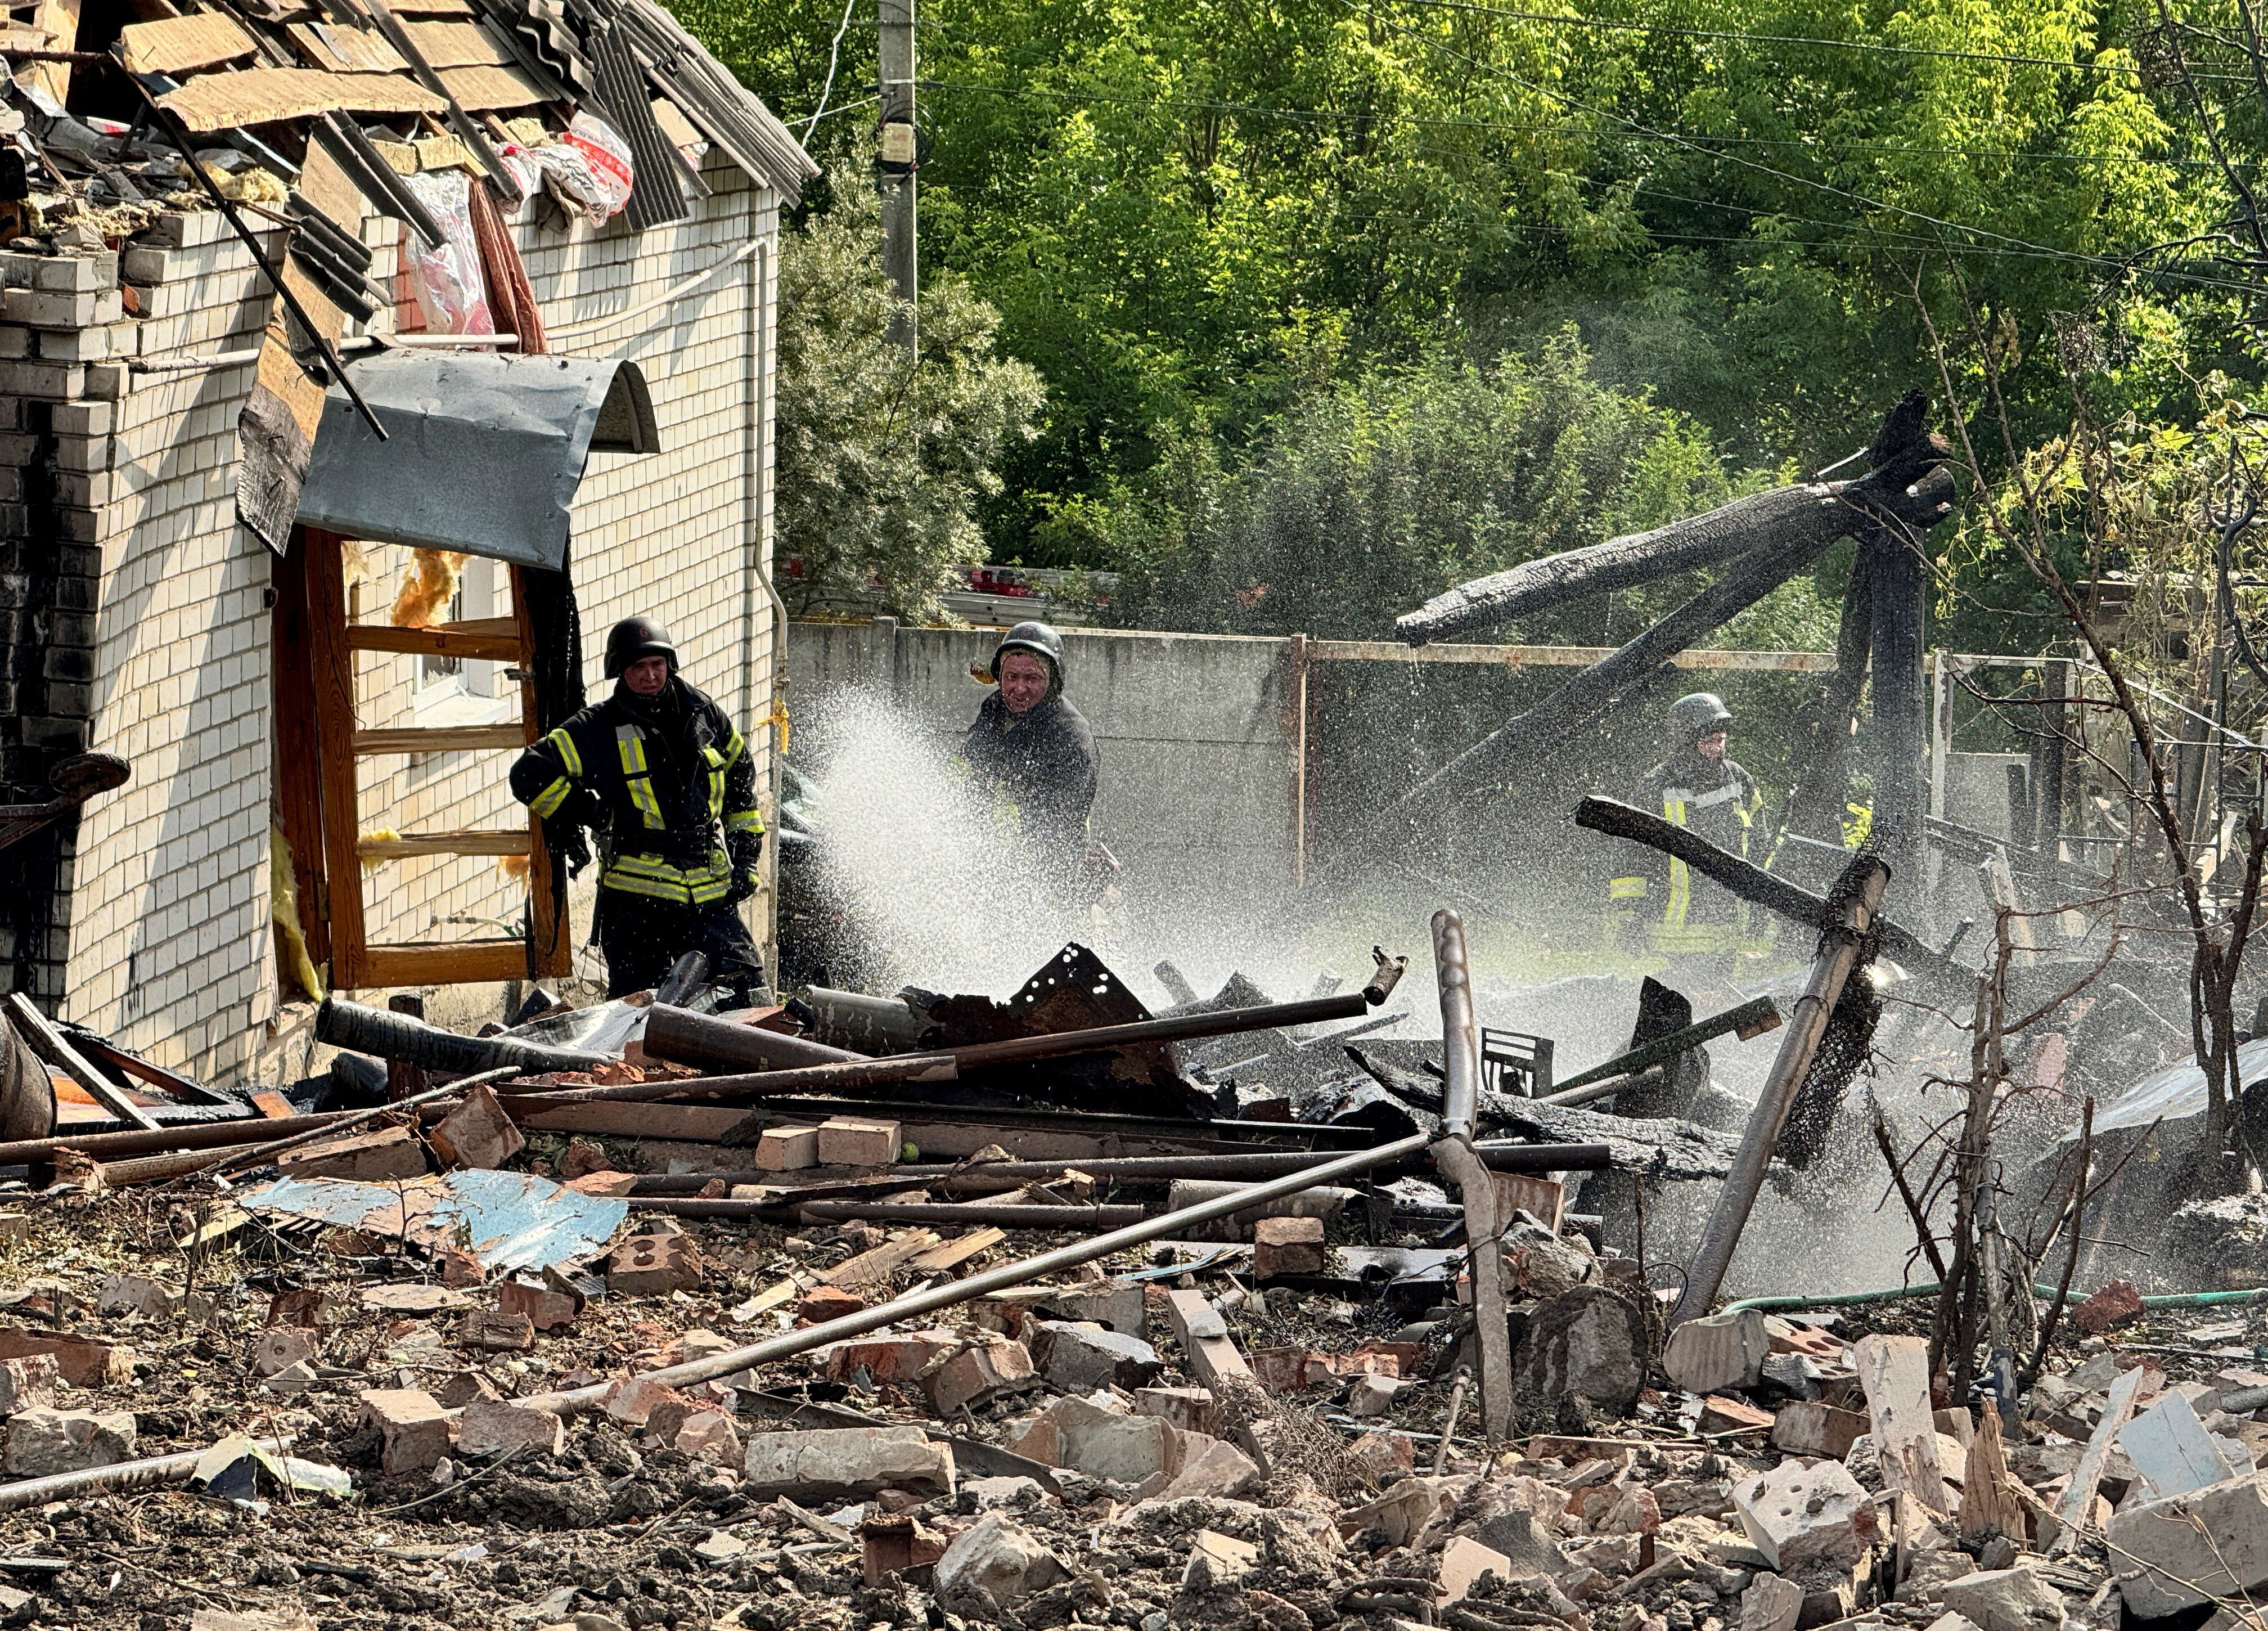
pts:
pixel 1515 126
pixel 2121 267
pixel 1803 39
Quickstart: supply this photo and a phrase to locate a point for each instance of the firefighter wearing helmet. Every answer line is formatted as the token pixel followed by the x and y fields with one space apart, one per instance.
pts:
pixel 1699 785
pixel 667 782
pixel 1033 749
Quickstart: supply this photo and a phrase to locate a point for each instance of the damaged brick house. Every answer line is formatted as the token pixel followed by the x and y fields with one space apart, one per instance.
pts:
pixel 318 646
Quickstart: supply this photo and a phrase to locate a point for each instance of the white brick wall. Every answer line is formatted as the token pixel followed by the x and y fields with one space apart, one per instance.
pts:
pixel 170 947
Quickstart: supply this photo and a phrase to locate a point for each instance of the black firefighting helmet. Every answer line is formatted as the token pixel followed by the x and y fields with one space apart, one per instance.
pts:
pixel 1702 714
pixel 636 637
pixel 1042 642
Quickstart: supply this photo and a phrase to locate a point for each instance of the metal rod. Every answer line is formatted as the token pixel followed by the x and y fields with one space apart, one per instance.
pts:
pixel 1750 1019
pixel 1501 1155
pixel 173 1469
pixel 1454 1158
pixel 790 1344
pixel 948 1063
pixel 1076 1216
pixel 1860 892
pixel 181 1135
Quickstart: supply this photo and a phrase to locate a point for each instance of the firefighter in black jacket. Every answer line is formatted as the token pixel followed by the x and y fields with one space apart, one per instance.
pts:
pixel 656 768
pixel 1035 749
pixel 1697 787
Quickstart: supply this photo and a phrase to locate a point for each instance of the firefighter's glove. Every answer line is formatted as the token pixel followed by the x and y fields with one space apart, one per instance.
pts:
pixel 746 849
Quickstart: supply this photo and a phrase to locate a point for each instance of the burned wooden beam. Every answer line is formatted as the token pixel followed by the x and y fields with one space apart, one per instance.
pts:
pixel 1753 883
pixel 1749 1019
pixel 1907 488
pixel 1819 740
pixel 1843 940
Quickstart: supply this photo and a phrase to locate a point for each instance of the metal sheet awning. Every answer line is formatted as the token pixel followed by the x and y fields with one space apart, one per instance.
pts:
pixel 482 455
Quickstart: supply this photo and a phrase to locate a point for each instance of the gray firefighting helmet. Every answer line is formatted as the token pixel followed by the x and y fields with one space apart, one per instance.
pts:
pixel 1702 714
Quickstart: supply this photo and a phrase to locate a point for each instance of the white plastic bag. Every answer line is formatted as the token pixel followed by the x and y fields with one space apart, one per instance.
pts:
pixel 447 281
pixel 595 164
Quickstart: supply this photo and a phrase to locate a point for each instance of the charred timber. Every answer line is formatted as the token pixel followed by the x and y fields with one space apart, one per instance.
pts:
pixel 1815 514
pixel 1753 883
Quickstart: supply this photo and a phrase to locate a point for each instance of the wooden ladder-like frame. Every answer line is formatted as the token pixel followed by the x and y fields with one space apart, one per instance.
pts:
pixel 324 662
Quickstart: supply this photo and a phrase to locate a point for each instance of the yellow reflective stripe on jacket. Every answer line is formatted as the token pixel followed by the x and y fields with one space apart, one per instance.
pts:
pixel 662 880
pixel 1681 877
pixel 745 821
pixel 569 755
pixel 548 802
pixel 717 763
pixel 636 775
pixel 1626 888
pixel 735 747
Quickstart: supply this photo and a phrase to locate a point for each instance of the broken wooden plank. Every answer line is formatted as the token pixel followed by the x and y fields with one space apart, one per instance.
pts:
pixel 1895 1373
pixel 456 45
pixel 486 89
pixel 1992 1501
pixel 346 50
pixel 49 1043
pixel 222 102
pixel 174 45
pixel 59 20
pixel 952 1254
pixel 875 1267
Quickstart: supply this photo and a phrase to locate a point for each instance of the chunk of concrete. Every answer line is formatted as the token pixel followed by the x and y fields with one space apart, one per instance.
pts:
pixel 137 1293
pixel 2005 1599
pixel 978 1374
pixel 1721 1351
pixel 1463 1561
pixel 1190 1409
pixel 41 1442
pixel 1931 1570
pixel 498 1427
pixel 1078 1358
pixel 2211 1543
pixel 1770 1604
pixel 1217 1562
pixel 1527 1546
pixel 1217 1471
pixel 27 1384
pixel 414 1427
pixel 1795 1514
pixel 846 1461
pixel 280 1348
pixel 1102 1443
pixel 1587 1344
pixel 1811 1428
pixel 999 1557
pixel 1371 1396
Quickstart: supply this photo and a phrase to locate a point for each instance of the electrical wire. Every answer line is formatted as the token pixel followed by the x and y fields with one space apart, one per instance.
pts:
pixel 834 52
pixel 2102 262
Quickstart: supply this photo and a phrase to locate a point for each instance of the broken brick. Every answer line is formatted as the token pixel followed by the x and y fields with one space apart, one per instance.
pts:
pixel 582 1158
pixel 634 1398
pixel 854 1141
pixel 414 1428
pixel 79 1361
pixel 496 1427
pixel 653 1266
pixel 1720 1414
pixel 42 1441
pixel 477 1133
pixel 493 1331
pixel 27 1384
pixel 544 1308
pixel 604 1183
pixel 979 1373
pixel 895 1542
pixel 363 1157
pixel 1287 1246
pixel 2115 1304
pixel 787 1149
pixel 822 1304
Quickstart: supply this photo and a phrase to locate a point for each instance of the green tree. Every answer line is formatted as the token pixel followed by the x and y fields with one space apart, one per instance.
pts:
pixel 883 455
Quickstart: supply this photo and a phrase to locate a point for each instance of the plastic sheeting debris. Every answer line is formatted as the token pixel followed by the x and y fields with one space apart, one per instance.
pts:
pixel 505 1221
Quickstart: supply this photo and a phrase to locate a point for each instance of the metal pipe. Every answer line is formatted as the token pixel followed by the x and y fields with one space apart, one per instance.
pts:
pixel 928 1301
pixel 684 1038
pixel 1074 1216
pixel 182 1135
pixel 1501 1155
pixel 1750 1019
pixel 173 1469
pixel 1454 1158
pixel 948 1063
pixel 1860 895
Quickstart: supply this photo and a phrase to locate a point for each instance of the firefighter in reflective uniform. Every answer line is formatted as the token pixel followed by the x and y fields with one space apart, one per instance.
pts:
pixel 1698 786
pixel 657 769
pixel 1037 753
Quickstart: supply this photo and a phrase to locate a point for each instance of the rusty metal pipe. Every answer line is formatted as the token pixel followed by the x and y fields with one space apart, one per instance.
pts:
pixel 1501 1156
pixel 1022 1272
pixel 1454 1158
pixel 1074 1216
pixel 180 1136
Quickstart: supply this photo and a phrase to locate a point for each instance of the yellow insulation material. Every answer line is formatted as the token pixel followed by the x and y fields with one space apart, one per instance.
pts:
pixel 427 588
pixel 294 968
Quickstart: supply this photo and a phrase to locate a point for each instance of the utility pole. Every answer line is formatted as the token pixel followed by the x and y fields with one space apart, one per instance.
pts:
pixel 894 22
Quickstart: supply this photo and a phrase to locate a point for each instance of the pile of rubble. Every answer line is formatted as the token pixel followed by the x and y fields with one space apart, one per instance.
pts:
pixel 354 1431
